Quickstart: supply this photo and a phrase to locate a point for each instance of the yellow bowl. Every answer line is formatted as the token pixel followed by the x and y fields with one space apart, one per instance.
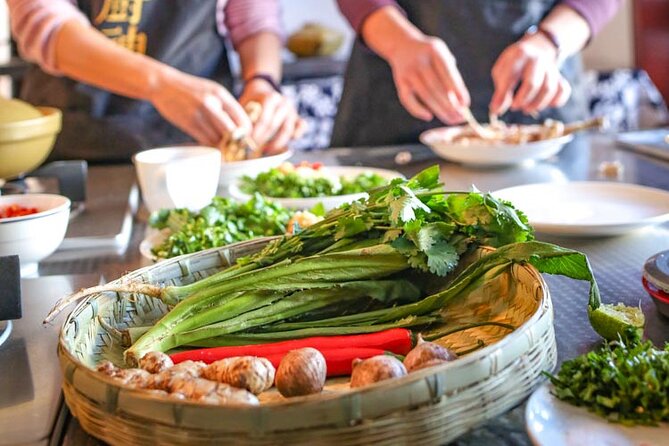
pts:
pixel 25 144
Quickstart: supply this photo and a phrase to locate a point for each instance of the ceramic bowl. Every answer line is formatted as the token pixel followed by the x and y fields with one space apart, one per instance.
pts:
pixel 26 143
pixel 36 236
pixel 177 177
pixel 489 153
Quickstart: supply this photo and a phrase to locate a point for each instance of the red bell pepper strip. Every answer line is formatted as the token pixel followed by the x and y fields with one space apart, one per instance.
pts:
pixel 395 340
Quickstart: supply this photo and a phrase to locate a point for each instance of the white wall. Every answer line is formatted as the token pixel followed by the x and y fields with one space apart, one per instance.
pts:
pixel 5 82
pixel 614 46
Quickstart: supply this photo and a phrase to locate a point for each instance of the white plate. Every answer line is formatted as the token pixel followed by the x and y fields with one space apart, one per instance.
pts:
pixel 232 170
pixel 551 422
pixel 489 154
pixel 589 208
pixel 330 202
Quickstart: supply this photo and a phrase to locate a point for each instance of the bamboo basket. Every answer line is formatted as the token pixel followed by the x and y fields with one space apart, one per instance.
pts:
pixel 432 406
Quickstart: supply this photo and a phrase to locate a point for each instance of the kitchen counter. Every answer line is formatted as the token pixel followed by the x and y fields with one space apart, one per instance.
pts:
pixel 617 261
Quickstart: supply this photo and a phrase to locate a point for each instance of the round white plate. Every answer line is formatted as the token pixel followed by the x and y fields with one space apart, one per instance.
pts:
pixel 232 170
pixel 551 422
pixel 588 208
pixel 330 202
pixel 489 154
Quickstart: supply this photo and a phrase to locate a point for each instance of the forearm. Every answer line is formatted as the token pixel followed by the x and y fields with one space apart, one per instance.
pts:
pixel 386 28
pixel 569 27
pixel 261 53
pixel 86 55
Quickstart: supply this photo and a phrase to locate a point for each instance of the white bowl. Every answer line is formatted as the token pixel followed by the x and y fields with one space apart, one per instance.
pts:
pixel 231 171
pixel 329 202
pixel 34 237
pixel 486 153
pixel 178 177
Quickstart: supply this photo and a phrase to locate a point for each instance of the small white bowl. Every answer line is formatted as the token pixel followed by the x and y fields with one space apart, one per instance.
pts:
pixel 177 177
pixel 489 153
pixel 329 202
pixel 34 237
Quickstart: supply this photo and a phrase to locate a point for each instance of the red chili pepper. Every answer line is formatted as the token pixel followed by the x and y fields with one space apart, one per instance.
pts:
pixel 395 340
pixel 15 210
pixel 339 362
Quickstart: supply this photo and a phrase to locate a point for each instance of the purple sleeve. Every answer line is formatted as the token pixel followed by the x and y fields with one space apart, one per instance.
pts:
pixel 596 12
pixel 244 18
pixel 35 26
pixel 356 11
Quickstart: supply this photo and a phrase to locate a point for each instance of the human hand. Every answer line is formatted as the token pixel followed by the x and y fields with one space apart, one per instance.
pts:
pixel 278 122
pixel 427 79
pixel 202 108
pixel 531 63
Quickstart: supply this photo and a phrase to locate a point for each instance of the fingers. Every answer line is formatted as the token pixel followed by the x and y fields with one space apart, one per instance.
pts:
pixel 284 134
pixel 563 93
pixel 505 75
pixel 411 103
pixel 441 100
pixel 446 69
pixel 205 133
pixel 264 127
pixel 532 80
pixel 545 94
pixel 220 121
pixel 235 111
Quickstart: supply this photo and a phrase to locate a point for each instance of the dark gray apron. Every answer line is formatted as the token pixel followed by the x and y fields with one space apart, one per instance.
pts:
pixel 476 31
pixel 101 126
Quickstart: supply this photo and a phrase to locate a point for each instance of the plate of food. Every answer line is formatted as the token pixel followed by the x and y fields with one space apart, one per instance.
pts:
pixel 498 143
pixel 304 185
pixel 589 208
pixel 175 232
pixel 613 396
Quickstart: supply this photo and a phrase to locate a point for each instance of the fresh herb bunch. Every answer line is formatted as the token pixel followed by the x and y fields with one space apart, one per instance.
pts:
pixel 626 381
pixel 222 222
pixel 281 183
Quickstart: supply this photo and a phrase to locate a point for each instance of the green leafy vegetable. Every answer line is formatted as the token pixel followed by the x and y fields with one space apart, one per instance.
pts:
pixel 222 222
pixel 305 182
pixel 624 381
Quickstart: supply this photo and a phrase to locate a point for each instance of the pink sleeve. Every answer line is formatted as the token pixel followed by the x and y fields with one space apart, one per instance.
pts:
pixel 243 18
pixel 35 25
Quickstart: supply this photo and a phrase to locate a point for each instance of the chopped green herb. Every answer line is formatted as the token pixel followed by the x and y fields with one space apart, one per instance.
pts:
pixel 283 182
pixel 626 381
pixel 222 222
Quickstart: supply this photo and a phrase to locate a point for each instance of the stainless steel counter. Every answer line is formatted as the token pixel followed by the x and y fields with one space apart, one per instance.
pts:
pixel 617 261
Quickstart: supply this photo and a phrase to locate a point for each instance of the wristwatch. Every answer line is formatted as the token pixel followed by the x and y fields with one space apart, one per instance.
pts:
pixel 538 29
pixel 267 78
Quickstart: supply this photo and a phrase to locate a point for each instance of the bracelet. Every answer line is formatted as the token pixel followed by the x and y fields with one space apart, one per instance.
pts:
pixel 552 38
pixel 267 78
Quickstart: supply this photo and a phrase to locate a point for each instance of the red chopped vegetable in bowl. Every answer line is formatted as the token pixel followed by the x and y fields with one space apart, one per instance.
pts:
pixel 15 210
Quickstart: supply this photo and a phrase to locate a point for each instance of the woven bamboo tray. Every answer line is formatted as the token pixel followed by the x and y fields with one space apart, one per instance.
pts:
pixel 433 406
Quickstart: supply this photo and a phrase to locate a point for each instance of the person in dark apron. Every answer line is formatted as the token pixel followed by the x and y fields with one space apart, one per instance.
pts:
pixel 495 44
pixel 117 102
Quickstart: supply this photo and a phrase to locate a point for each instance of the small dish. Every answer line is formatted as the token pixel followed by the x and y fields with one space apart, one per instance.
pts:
pixel 329 202
pixel 36 236
pixel 489 153
pixel 659 296
pixel 551 422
